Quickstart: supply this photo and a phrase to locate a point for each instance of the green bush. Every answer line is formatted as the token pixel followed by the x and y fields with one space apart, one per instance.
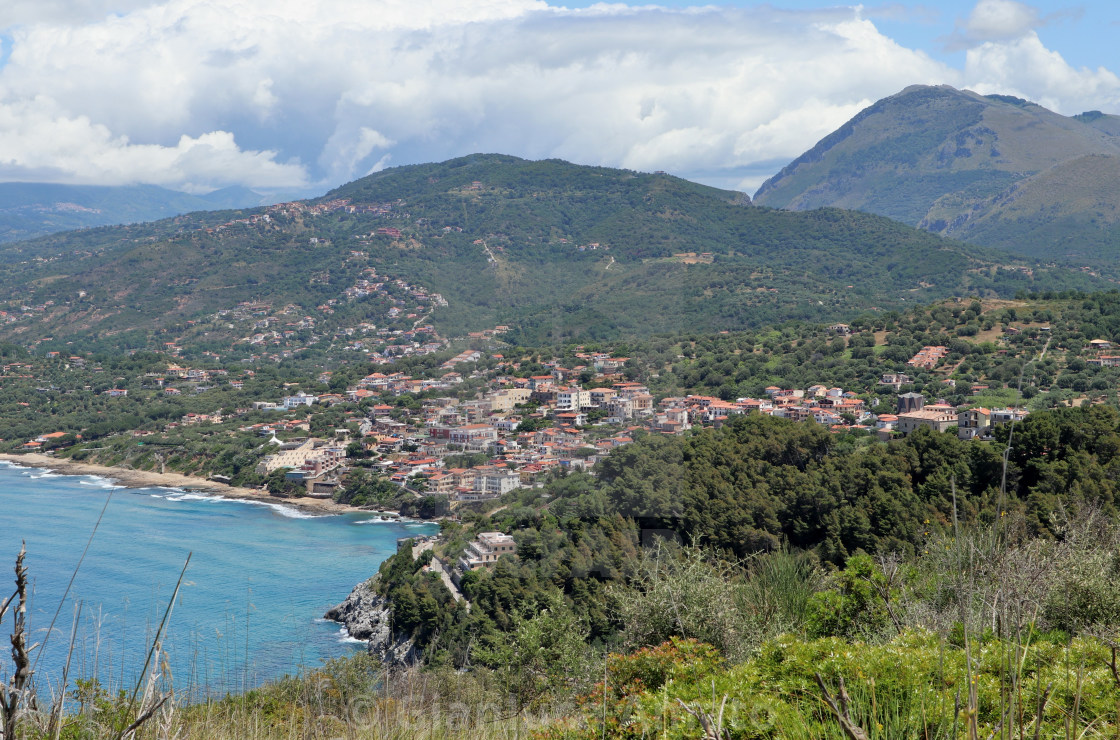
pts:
pixel 854 605
pixel 1087 594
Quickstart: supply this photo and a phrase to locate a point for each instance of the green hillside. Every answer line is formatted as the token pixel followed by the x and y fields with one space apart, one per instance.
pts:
pixel 551 249
pixel 992 170
pixel 1072 209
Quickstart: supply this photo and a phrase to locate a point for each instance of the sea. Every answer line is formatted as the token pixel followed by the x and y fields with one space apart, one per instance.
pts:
pixel 250 605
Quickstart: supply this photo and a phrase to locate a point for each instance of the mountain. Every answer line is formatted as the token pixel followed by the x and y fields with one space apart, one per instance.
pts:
pixel 993 170
pixel 29 210
pixel 551 249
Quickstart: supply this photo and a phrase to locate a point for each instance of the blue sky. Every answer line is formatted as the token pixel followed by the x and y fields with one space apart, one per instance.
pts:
pixel 1083 32
pixel 307 94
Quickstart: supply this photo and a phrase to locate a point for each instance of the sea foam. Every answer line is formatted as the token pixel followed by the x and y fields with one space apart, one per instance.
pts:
pixel 178 494
pixel 345 638
pixel 99 482
pixel 280 509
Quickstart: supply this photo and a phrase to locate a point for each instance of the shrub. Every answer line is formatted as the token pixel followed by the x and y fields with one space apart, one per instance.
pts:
pixel 854 606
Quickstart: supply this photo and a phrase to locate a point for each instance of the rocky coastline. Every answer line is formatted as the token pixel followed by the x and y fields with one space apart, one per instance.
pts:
pixel 368 616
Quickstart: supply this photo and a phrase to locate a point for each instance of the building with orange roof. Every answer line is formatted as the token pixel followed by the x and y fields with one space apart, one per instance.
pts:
pixel 973 423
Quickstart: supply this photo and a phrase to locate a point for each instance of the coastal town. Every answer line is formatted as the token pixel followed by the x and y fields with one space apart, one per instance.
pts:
pixel 478 424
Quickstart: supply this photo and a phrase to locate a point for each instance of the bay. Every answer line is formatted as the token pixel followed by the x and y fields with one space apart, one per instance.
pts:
pixel 249 611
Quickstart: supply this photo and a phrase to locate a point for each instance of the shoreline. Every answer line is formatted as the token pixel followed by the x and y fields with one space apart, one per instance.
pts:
pixel 151 479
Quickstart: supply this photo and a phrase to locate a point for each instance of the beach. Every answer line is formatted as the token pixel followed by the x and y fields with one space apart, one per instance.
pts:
pixel 148 479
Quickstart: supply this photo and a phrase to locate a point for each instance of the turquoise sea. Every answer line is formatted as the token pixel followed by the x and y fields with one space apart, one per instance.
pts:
pixel 260 577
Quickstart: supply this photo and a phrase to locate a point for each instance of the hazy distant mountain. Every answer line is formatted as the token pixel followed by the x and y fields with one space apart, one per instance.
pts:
pixel 29 210
pixel 994 170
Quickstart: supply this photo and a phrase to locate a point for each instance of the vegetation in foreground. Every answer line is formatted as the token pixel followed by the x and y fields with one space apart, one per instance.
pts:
pixel 988 632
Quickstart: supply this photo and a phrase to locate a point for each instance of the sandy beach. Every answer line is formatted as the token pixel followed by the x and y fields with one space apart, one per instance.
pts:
pixel 146 479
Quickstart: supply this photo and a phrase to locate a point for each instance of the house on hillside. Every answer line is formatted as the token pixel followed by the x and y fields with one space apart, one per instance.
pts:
pixel 299 399
pixel 1008 415
pixel 928 357
pixel 490 482
pixel 973 423
pixel 485 550
pixel 937 419
pixel 895 380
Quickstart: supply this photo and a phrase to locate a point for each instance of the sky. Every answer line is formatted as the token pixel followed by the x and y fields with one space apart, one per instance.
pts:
pixel 304 95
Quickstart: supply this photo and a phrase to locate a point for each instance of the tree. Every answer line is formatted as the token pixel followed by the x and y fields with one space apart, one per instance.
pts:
pixel 533 424
pixel 545 651
pixel 687 593
pixel 278 484
pixel 363 488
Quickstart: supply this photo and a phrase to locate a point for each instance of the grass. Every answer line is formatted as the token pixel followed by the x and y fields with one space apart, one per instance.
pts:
pixel 995 398
pixel 353 698
pixel 356 698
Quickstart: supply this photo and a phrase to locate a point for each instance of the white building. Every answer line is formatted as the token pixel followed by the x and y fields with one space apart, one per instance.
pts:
pixel 299 399
pixel 620 408
pixel 486 549
pixel 572 399
pixel 496 481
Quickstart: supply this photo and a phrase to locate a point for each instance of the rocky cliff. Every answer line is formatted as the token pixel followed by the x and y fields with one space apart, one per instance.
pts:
pixel 368 616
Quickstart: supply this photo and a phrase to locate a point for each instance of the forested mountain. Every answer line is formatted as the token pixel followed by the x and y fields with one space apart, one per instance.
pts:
pixel 992 170
pixel 551 249
pixel 30 210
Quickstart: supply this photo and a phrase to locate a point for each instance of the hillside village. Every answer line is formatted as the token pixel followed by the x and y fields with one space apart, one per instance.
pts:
pixel 282 333
pixel 474 423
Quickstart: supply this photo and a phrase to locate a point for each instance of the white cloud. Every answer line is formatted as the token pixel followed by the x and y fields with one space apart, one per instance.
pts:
pixel 63 12
pixel 1026 68
pixel 646 90
pixel 348 146
pixel 380 164
pixel 999 20
pixel 197 93
pixel 37 143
